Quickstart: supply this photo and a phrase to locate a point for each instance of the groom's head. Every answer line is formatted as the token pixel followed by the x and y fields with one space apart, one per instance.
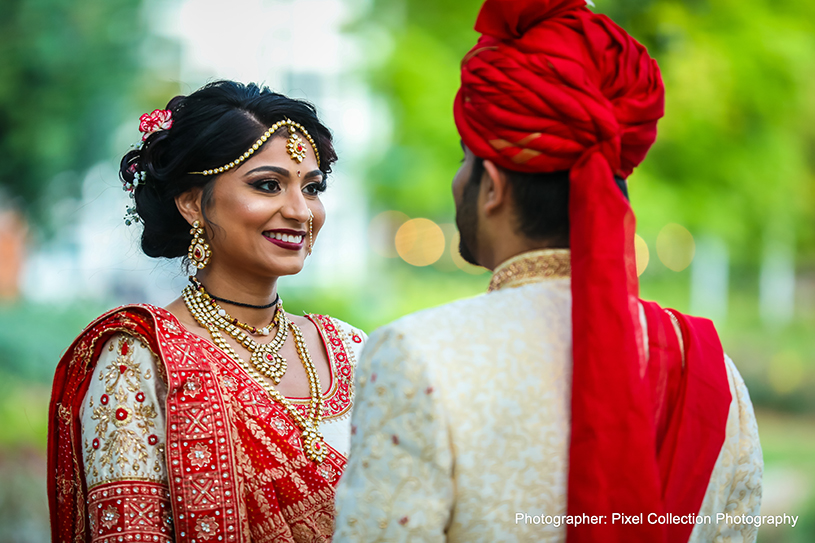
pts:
pixel 496 206
pixel 557 105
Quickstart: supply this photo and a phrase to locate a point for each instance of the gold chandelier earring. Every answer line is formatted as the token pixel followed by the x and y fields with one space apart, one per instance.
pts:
pixel 310 232
pixel 199 252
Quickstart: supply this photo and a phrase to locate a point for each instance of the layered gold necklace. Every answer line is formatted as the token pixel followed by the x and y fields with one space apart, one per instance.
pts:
pixel 265 356
pixel 269 362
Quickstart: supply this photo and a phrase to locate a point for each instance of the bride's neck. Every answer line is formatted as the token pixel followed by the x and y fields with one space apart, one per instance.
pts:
pixel 248 290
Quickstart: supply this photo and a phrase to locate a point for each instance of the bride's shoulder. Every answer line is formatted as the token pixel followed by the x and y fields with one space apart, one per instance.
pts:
pixel 332 326
pixel 131 319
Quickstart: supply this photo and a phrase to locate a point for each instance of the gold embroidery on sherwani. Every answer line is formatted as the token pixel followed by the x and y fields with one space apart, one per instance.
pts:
pixel 532 267
pixel 735 485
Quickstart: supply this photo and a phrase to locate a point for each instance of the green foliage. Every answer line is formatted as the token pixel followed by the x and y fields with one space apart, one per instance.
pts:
pixel 734 154
pixel 419 78
pixel 33 336
pixel 68 67
pixel 733 157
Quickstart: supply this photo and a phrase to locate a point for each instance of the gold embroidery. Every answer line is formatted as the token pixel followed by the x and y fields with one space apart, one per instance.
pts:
pixel 335 404
pixel 532 267
pixel 192 386
pixel 122 449
pixel 124 368
pixel 64 486
pixel 64 414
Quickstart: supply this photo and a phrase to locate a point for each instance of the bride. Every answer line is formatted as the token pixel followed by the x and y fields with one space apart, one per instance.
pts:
pixel 220 417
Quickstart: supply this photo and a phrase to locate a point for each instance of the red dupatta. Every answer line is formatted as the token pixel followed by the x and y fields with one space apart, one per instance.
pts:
pixel 690 398
pixel 258 486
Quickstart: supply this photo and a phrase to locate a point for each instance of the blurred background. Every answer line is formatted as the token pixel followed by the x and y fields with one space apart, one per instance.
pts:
pixel 725 201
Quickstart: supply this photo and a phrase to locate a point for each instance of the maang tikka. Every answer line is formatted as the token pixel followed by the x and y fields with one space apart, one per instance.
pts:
pixel 199 252
pixel 294 147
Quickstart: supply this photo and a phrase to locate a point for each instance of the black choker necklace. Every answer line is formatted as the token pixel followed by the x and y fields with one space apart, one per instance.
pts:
pixel 197 284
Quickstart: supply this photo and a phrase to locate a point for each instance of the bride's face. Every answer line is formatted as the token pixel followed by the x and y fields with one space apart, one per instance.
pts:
pixel 257 219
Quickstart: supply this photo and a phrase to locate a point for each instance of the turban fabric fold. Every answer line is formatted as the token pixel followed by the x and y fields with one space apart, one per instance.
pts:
pixel 552 86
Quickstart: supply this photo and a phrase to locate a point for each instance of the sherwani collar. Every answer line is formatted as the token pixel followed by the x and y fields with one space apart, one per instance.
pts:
pixel 532 267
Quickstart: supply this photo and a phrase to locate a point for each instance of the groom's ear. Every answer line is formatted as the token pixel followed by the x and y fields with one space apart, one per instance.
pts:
pixel 494 189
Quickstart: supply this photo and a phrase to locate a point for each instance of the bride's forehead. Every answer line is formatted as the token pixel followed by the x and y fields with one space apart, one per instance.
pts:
pixel 276 152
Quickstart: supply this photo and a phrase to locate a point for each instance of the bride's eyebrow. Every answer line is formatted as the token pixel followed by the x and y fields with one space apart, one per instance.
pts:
pixel 276 169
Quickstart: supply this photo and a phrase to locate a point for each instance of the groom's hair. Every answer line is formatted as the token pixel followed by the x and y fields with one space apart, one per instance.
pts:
pixel 541 201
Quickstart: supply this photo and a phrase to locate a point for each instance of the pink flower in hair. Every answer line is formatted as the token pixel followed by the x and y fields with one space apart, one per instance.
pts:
pixel 160 119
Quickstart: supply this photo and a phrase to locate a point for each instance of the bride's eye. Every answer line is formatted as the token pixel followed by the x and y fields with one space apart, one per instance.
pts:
pixel 267 185
pixel 314 189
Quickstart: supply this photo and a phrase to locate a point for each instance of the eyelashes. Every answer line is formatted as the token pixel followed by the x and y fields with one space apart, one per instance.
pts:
pixel 273 186
pixel 316 188
pixel 267 185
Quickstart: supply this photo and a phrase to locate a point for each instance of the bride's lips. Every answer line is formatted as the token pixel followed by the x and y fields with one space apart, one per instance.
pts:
pixel 287 239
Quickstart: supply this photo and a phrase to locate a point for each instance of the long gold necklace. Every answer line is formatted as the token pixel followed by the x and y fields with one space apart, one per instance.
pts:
pixel 265 356
pixel 314 445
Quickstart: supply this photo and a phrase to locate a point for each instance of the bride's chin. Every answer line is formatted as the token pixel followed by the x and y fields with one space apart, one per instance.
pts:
pixel 280 269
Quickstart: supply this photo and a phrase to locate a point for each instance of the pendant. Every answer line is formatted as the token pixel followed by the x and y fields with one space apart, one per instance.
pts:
pixel 269 362
pixel 295 146
pixel 313 445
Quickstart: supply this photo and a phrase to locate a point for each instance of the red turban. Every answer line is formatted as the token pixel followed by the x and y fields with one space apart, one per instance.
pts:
pixel 552 86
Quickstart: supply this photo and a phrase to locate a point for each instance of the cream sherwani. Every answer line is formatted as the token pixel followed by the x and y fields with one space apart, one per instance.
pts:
pixel 461 421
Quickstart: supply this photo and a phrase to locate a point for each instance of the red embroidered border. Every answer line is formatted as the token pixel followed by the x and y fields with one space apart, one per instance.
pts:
pixel 125 509
pixel 337 402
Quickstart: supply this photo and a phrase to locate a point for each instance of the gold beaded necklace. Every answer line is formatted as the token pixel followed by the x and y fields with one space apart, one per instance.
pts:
pixel 265 356
pixel 232 320
pixel 314 445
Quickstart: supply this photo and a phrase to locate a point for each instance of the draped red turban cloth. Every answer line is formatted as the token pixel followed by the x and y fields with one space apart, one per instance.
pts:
pixel 552 86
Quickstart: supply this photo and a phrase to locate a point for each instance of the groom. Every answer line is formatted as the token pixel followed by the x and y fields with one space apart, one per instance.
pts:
pixel 558 406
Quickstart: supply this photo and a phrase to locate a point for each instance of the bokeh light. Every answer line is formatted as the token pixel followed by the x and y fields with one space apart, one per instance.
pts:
pixel 675 247
pixel 420 242
pixel 642 253
pixel 462 264
pixel 446 263
pixel 382 232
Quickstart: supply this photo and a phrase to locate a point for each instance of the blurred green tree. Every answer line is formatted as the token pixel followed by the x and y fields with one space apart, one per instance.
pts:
pixel 734 156
pixel 68 67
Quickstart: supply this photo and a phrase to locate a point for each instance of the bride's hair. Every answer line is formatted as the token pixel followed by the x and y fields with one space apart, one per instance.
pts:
pixel 211 127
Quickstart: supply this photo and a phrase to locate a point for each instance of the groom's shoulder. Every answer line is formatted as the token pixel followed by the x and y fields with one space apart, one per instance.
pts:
pixel 447 319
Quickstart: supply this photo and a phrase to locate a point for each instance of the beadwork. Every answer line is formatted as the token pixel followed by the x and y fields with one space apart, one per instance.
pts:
pixel 310 231
pixel 314 445
pixel 294 146
pixel 265 356
pixel 222 312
